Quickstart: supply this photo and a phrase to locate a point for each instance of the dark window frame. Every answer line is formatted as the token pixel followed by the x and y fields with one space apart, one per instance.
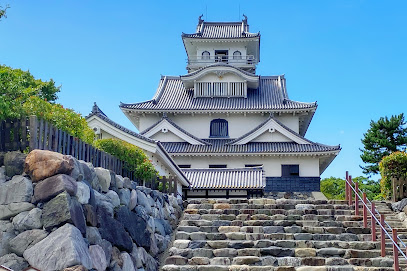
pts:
pixel 253 165
pixel 184 166
pixel 218 166
pixel 292 170
pixel 219 128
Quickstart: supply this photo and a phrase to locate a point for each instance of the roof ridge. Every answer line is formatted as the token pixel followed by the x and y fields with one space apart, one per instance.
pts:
pixel 224 169
pixel 104 117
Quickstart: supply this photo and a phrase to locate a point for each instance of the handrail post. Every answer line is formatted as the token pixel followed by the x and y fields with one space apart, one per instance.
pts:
pixel 350 190
pixel 364 211
pixel 356 198
pixel 346 186
pixel 373 223
pixel 382 237
pixel 395 251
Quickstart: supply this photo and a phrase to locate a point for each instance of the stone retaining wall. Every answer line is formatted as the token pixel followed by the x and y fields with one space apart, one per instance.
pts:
pixel 58 213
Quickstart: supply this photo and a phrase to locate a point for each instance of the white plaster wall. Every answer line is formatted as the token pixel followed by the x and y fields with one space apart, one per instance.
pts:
pixel 290 121
pixel 227 77
pixel 309 166
pixel 199 125
pixel 273 137
pixel 167 137
pixel 147 121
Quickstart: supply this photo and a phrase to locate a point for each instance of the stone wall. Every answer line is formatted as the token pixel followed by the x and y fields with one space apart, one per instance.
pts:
pixel 58 213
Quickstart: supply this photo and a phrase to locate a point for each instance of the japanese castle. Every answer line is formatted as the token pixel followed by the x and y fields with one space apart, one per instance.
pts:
pixel 231 131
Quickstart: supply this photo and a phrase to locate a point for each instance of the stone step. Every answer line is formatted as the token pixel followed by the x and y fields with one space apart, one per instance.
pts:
pixel 271 268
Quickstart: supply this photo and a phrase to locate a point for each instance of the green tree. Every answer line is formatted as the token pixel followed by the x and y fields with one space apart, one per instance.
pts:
pixel 17 86
pixel 3 12
pixel 383 137
pixel 334 188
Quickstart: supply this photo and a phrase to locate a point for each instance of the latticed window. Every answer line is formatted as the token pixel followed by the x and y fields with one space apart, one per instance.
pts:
pixel 219 128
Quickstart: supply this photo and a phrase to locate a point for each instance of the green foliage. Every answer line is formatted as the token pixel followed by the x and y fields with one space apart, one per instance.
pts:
pixel 392 166
pixel 62 118
pixel 17 86
pixel 384 137
pixel 334 188
pixel 3 12
pixel 136 159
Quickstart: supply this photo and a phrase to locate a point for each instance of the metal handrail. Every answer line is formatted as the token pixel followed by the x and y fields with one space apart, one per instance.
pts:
pixel 375 218
pixel 377 212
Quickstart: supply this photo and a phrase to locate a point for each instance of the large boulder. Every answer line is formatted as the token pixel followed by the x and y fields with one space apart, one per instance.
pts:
pixel 89 175
pixel 19 189
pixel 60 249
pixel 25 240
pixel 105 178
pixel 77 171
pixel 13 209
pixel 124 195
pixel 28 220
pixel 113 231
pixel 13 262
pixel 63 209
pixel 98 257
pixel 54 185
pixel 83 193
pixel 135 225
pixel 14 163
pixel 3 177
pixel 41 164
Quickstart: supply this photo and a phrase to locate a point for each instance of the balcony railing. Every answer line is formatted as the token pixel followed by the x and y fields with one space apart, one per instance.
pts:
pixel 242 60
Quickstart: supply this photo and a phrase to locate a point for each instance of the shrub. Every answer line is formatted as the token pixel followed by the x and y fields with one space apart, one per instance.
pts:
pixel 137 161
pixel 392 166
pixel 62 118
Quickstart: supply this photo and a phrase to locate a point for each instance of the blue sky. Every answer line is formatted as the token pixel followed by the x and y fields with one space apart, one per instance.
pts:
pixel 349 56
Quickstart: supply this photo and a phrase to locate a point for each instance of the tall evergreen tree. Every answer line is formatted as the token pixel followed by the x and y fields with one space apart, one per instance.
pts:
pixel 383 137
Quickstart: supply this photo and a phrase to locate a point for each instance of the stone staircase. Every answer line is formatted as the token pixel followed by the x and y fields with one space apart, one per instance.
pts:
pixel 277 235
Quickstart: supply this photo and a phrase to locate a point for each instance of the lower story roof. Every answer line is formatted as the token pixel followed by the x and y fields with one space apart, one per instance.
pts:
pixel 226 178
pixel 222 146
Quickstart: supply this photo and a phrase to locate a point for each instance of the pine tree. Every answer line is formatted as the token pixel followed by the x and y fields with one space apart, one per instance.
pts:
pixel 384 137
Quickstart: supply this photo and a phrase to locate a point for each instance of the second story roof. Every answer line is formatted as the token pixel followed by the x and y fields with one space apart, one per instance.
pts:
pixel 222 30
pixel 171 96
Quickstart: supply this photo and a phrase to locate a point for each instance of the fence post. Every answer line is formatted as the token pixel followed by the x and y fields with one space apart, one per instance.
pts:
pixel 373 222
pixel 164 184
pixel 350 191
pixel 356 198
pixel 33 133
pixel 347 186
pixel 175 191
pixel 364 211
pixel 395 251
pixel 382 237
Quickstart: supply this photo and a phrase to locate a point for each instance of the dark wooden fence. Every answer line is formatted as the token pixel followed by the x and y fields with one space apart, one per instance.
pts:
pixel 31 133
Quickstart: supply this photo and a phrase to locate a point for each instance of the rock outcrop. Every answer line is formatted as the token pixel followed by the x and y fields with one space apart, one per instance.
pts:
pixel 63 214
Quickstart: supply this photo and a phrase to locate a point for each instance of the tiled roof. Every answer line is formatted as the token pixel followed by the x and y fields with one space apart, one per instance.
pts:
pixel 172 96
pixel 176 126
pixel 99 113
pixel 221 30
pixel 225 178
pixel 222 146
